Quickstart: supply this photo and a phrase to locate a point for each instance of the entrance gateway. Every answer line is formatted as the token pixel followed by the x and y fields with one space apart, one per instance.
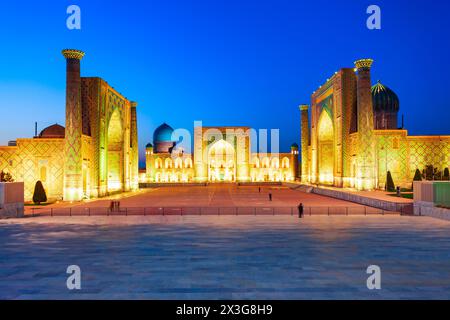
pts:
pixel 221 162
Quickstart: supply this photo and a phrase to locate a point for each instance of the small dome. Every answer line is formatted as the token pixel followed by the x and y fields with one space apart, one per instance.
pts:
pixel 384 99
pixel 148 146
pixel 163 133
pixel 294 146
pixel 53 131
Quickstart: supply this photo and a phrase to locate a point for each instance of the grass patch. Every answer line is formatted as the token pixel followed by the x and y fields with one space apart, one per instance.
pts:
pixel 30 204
pixel 403 195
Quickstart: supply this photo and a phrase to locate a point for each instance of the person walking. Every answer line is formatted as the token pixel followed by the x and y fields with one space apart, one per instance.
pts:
pixel 300 210
pixel 259 189
pixel 270 197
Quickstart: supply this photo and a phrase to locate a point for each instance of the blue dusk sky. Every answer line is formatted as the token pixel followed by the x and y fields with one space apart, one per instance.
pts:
pixel 224 62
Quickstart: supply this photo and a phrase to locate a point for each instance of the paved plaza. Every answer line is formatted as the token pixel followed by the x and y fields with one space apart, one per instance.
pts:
pixel 213 195
pixel 225 257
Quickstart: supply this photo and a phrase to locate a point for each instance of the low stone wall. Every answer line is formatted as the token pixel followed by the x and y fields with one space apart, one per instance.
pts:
pixel 147 185
pixel 371 202
pixel 404 208
pixel 11 200
pixel 434 192
pixel 256 184
pixel 428 209
pixel 12 210
pixel 299 187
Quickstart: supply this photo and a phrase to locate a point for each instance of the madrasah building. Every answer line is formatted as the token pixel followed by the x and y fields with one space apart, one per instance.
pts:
pixel 351 139
pixel 94 155
pixel 221 154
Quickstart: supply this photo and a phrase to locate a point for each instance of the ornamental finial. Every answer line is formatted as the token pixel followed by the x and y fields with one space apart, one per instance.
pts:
pixel 363 64
pixel 304 107
pixel 73 54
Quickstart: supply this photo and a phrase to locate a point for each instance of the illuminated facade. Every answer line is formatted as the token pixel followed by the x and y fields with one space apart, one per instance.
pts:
pixel 352 139
pixel 221 154
pixel 96 154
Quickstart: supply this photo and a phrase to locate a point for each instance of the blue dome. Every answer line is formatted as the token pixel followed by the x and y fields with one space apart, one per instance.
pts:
pixel 163 133
pixel 384 99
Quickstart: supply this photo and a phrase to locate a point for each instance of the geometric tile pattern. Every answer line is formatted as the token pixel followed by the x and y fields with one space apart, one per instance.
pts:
pixel 73 183
pixel 25 163
pixel 425 151
pixel 392 155
pixel 304 140
pixel 76 166
pixel 366 156
pixel 362 155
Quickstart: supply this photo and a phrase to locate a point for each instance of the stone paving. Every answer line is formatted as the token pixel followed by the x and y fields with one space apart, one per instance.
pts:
pixel 225 257
pixel 214 195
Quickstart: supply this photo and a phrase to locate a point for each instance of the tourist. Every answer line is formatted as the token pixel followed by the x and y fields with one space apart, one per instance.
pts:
pixel 270 197
pixel 300 210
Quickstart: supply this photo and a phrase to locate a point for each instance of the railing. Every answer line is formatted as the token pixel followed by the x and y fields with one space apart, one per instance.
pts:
pixel 208 211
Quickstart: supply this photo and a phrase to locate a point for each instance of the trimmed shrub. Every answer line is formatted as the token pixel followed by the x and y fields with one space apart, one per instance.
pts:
pixel 6 177
pixel 39 195
pixel 429 172
pixel 446 176
pixel 417 176
pixel 390 186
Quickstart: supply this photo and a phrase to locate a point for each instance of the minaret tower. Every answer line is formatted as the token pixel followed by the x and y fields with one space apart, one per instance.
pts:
pixel 365 175
pixel 294 160
pixel 134 146
pixel 73 168
pixel 304 118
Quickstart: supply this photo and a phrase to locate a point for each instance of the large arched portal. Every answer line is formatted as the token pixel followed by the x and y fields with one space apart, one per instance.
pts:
pixel 115 152
pixel 326 149
pixel 222 162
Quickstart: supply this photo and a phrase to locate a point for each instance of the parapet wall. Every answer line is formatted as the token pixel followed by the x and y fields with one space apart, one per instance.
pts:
pixel 429 210
pixel 432 199
pixel 11 199
pixel 404 208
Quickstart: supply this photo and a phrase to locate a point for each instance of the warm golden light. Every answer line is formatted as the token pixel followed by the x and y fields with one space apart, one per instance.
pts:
pixel 221 162
pixel 326 149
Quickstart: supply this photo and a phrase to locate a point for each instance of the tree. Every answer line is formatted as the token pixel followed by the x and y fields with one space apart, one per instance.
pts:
pixel 390 186
pixel 6 177
pixel 446 176
pixel 437 175
pixel 39 195
pixel 429 172
pixel 417 176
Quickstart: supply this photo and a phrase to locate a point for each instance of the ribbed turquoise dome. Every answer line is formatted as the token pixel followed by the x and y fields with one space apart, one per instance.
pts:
pixel 384 99
pixel 163 133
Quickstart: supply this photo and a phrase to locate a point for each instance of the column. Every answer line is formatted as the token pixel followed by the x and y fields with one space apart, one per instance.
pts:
pixel 134 148
pixel 304 110
pixel 73 167
pixel 365 175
